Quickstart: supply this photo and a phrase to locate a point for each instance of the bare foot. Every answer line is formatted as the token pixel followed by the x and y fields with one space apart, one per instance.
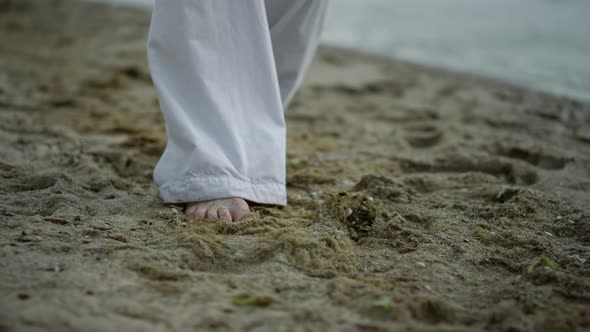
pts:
pixel 228 209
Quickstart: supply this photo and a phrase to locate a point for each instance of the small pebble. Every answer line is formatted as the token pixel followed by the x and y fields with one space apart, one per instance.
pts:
pixel 101 226
pixel 421 264
pixel 348 183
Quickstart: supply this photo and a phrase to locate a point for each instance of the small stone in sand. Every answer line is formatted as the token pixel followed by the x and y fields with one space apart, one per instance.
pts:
pixel 101 226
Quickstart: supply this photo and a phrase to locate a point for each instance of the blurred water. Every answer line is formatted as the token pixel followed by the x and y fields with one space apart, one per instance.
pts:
pixel 543 44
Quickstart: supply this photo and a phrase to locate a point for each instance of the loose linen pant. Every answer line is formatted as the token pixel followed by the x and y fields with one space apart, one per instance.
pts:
pixel 224 71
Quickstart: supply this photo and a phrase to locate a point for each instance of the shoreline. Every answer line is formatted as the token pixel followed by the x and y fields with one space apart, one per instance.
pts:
pixel 561 84
pixel 457 74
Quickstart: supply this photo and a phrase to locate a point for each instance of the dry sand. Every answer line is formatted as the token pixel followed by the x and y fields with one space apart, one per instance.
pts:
pixel 420 200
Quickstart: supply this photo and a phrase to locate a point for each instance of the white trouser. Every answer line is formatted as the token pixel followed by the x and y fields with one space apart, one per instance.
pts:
pixel 223 70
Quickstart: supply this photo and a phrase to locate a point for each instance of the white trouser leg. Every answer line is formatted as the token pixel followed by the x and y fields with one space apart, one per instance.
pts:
pixel 295 27
pixel 213 67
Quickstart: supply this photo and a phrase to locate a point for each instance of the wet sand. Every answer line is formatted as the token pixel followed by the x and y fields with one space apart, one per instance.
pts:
pixel 419 200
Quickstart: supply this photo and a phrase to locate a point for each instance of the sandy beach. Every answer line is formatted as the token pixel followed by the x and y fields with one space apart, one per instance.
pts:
pixel 419 199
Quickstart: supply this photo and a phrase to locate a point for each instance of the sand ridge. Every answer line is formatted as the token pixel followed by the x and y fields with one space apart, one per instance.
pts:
pixel 419 200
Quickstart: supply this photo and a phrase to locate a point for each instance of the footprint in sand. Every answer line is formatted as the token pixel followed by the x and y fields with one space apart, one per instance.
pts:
pixel 453 162
pixel 33 182
pixel 534 156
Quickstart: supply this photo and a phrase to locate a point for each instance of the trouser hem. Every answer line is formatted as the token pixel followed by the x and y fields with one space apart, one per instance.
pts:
pixel 195 189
